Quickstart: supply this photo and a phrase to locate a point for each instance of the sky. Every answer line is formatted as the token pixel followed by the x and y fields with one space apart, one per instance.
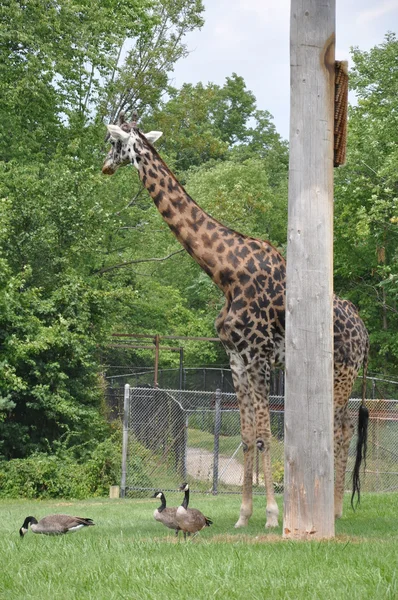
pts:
pixel 251 38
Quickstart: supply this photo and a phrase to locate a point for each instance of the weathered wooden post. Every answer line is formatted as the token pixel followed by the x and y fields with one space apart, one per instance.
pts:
pixel 308 502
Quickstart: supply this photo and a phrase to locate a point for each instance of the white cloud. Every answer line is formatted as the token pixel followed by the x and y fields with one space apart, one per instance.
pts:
pixel 269 11
pixel 383 8
pixel 251 38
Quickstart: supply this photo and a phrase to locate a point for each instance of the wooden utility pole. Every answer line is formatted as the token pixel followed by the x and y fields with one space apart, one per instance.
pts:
pixel 309 487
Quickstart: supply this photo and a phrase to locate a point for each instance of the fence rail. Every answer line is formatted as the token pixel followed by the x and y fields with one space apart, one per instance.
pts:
pixel 175 435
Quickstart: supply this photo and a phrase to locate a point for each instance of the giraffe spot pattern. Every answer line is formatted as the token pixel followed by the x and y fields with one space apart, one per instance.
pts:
pixel 251 273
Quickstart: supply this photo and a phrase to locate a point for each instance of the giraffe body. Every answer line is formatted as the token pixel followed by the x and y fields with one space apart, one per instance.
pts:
pixel 252 275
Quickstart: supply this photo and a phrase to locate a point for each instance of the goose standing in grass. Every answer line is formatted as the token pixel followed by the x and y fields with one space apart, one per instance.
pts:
pixel 54 524
pixel 166 515
pixel 190 520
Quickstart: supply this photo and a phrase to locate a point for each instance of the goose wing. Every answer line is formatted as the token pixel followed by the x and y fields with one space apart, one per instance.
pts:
pixel 61 524
pixel 192 520
pixel 168 517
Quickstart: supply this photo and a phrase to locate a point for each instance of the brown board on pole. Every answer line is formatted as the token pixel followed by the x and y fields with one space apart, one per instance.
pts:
pixel 309 494
pixel 340 112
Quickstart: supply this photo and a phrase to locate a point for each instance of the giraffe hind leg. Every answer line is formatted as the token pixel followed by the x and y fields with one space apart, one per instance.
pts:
pixel 343 432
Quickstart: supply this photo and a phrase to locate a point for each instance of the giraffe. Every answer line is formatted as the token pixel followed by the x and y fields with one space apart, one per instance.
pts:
pixel 251 274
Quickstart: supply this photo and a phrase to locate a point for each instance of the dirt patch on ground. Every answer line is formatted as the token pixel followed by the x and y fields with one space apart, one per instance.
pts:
pixel 200 466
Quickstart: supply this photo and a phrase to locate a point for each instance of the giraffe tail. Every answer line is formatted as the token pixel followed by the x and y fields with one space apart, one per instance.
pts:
pixel 362 440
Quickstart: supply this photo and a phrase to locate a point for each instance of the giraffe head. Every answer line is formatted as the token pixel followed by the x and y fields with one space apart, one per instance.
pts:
pixel 128 145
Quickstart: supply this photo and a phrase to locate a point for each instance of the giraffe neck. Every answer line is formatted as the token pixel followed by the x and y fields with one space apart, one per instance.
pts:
pixel 203 237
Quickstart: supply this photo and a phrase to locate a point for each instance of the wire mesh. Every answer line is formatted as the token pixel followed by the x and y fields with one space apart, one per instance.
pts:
pixel 178 435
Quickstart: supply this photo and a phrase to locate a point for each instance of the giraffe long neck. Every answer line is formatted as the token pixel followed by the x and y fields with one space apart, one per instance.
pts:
pixel 204 238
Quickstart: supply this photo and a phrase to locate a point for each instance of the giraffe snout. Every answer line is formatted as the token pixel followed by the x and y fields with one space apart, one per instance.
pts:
pixel 108 169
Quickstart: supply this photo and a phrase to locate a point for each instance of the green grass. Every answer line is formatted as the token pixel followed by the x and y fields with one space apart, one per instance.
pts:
pixel 227 444
pixel 203 439
pixel 127 555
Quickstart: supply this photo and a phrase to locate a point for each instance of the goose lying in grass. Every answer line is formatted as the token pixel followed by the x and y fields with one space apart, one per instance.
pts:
pixel 190 520
pixel 166 515
pixel 54 524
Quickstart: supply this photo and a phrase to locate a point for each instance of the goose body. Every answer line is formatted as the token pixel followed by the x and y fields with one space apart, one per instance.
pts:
pixel 54 524
pixel 190 520
pixel 166 516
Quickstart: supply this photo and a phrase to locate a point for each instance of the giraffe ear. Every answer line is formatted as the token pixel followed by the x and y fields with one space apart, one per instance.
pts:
pixel 152 136
pixel 117 134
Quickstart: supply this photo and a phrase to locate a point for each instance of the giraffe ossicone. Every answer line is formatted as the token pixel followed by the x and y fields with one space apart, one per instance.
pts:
pixel 251 273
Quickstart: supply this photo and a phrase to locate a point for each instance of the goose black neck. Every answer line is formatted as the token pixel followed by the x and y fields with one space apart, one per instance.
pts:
pixel 185 502
pixel 163 501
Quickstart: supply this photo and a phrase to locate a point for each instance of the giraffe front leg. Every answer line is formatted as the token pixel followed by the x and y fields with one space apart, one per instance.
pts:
pixel 259 388
pixel 272 510
pixel 248 435
pixel 246 508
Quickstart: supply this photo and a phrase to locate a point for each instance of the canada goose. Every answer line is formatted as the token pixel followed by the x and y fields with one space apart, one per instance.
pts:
pixel 190 520
pixel 164 515
pixel 54 524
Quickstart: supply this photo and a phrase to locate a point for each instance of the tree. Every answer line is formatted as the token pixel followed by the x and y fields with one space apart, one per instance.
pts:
pixel 55 56
pixel 366 250
pixel 202 123
pixel 139 83
pixel 59 226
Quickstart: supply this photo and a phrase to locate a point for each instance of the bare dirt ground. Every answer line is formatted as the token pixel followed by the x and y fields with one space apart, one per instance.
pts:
pixel 200 466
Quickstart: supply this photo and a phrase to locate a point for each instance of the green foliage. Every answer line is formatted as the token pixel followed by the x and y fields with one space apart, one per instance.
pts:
pixel 62 224
pixel 278 474
pixel 64 474
pixel 49 359
pixel 151 54
pixel 56 57
pixel 82 256
pixel 240 195
pixel 204 123
pixel 366 227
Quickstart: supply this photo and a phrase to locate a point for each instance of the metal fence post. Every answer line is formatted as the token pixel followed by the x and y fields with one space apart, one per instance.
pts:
pixel 185 465
pixel 217 428
pixel 125 439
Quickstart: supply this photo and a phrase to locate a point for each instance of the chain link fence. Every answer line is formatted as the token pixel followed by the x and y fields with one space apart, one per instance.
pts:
pixel 175 435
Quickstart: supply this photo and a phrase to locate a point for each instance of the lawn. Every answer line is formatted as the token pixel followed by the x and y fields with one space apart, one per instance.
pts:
pixel 205 440
pixel 128 555
pixel 227 444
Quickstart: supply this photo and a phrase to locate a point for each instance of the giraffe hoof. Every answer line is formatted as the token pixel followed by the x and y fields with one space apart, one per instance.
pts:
pixel 271 522
pixel 272 513
pixel 241 522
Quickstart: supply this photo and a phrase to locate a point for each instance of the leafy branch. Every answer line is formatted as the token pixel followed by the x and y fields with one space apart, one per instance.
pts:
pixel 134 262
